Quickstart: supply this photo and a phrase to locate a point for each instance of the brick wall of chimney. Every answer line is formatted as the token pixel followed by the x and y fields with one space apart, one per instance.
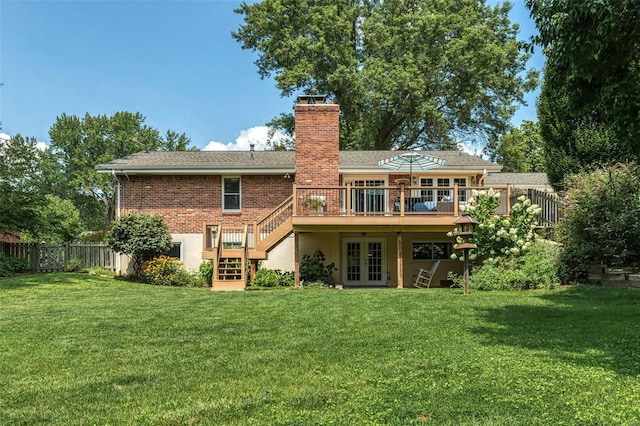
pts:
pixel 187 202
pixel 317 128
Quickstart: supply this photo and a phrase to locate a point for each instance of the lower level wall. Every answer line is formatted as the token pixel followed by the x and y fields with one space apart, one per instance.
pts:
pixel 282 256
pixel 191 250
pixel 332 246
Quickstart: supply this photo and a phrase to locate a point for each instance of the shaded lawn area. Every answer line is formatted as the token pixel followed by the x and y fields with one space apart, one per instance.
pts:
pixel 79 349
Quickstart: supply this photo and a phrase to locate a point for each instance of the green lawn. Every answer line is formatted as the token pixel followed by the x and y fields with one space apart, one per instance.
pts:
pixel 79 349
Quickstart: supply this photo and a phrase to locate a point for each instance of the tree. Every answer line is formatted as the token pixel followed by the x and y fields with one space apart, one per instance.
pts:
pixel 79 144
pixel 407 74
pixel 521 149
pixel 21 192
pixel 593 68
pixel 574 141
pixel 58 221
pixel 143 236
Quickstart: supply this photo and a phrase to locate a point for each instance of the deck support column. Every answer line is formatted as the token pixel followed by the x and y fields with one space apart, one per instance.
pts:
pixel 253 268
pixel 296 257
pixel 399 260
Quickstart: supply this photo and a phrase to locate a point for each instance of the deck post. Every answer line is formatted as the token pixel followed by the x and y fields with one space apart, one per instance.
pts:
pixel 294 208
pixel 456 201
pixel 348 197
pixel 296 256
pixel 400 265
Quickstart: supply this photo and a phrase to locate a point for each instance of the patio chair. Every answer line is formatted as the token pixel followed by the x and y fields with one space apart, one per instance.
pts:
pixel 423 279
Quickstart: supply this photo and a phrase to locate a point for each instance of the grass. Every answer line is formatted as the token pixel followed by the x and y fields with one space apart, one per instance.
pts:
pixel 79 349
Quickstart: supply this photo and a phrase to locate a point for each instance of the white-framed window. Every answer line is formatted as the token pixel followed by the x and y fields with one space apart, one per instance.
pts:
pixel 462 193
pixel 427 194
pixel 231 190
pixel 444 194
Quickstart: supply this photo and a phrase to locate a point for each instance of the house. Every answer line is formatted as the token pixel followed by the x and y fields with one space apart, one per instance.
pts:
pixel 378 225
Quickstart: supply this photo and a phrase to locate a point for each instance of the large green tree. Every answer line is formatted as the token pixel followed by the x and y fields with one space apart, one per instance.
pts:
pixel 588 109
pixel 80 143
pixel 21 193
pixel 521 149
pixel 574 141
pixel 406 73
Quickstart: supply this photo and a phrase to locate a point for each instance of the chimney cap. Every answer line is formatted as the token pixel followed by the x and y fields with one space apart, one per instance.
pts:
pixel 311 99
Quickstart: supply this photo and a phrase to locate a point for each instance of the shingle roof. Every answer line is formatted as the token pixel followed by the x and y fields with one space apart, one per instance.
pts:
pixel 242 160
pixel 517 179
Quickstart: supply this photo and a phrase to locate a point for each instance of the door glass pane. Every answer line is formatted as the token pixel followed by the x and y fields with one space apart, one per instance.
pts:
pixel 375 261
pixel 353 261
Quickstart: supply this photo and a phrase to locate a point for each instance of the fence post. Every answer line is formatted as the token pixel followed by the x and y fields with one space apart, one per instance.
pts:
pixel 34 254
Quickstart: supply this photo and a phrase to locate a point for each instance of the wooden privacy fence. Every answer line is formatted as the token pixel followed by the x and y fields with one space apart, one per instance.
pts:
pixel 55 257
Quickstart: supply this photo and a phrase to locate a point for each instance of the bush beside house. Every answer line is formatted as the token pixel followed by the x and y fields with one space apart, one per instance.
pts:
pixel 601 224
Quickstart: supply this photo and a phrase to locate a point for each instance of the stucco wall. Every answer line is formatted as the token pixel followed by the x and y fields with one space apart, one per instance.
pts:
pixel 281 256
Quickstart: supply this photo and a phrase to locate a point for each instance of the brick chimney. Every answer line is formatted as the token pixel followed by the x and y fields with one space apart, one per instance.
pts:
pixel 317 128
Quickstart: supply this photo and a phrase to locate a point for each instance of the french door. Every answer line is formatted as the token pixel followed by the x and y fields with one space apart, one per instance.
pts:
pixel 365 262
pixel 368 199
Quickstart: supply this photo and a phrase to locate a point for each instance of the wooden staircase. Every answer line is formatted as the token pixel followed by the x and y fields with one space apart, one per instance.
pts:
pixel 231 247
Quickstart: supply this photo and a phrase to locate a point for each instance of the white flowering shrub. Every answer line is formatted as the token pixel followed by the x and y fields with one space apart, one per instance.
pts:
pixel 500 237
pixel 513 258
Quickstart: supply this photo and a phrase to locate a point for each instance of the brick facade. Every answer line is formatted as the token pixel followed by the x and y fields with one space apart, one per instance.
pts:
pixel 317 128
pixel 187 202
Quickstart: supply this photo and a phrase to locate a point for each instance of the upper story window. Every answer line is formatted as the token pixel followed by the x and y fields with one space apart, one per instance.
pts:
pixel 231 194
pixel 462 193
pixel 444 194
pixel 427 194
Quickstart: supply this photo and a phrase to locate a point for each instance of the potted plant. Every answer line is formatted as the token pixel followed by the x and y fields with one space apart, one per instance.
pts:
pixel 314 204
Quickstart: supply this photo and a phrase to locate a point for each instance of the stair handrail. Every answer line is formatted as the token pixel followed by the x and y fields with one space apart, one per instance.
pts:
pixel 274 219
pixel 245 237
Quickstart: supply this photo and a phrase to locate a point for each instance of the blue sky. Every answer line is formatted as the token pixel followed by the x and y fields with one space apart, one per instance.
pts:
pixel 173 61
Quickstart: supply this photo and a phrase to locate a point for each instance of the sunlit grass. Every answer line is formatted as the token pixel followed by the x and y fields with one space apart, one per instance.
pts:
pixel 80 349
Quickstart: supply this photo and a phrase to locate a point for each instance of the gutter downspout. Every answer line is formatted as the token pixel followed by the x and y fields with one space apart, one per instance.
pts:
pixel 119 257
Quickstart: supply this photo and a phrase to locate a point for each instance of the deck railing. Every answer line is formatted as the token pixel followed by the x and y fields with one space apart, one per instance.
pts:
pixel 270 223
pixel 387 200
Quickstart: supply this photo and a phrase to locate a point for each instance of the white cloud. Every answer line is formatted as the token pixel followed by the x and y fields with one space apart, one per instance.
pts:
pixel 258 135
pixel 466 148
pixel 471 150
pixel 5 138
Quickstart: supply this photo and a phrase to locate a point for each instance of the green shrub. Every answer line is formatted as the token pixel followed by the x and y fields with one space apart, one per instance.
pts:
pixel 74 265
pixel 164 270
pixel 600 223
pixel 100 271
pixel 206 272
pixel 10 265
pixel 190 279
pixel 141 235
pixel 313 269
pixel 272 278
pixel 535 269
